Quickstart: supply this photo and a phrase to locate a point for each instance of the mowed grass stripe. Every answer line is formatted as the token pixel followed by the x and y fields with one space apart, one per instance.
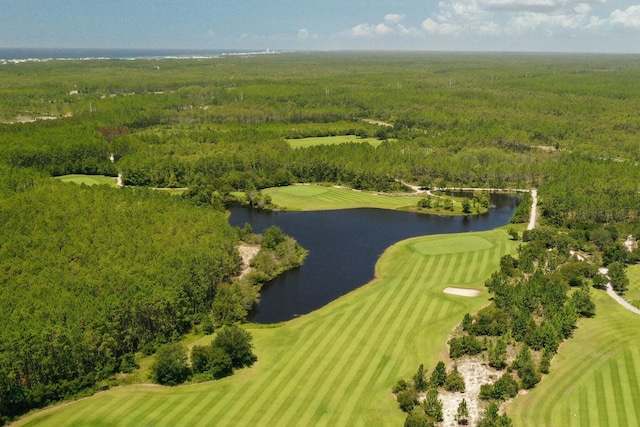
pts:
pixel 450 261
pixel 471 269
pixel 583 363
pixel 632 359
pixel 346 381
pixel 321 379
pixel 425 314
pixel 267 398
pixel 182 407
pixel 262 388
pixel 462 261
pixel 627 400
pixel 323 391
pixel 584 408
pixel 403 323
pixel 274 411
pixel 603 416
pixel 620 388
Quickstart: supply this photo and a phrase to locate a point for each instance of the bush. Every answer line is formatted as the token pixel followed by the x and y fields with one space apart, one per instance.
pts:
pixel 417 418
pixel 466 344
pixel 407 399
pixel 237 344
pixel 454 382
pixel 170 367
pixel 506 387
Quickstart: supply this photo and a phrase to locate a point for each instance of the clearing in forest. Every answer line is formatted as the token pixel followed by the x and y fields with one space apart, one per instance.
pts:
pixel 331 140
pixel 89 179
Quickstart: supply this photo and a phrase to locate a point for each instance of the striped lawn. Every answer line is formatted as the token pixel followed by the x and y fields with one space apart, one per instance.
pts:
pixel 595 378
pixel 316 198
pixel 333 367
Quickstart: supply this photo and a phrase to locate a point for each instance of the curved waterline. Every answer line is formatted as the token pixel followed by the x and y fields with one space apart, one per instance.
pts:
pixel 344 246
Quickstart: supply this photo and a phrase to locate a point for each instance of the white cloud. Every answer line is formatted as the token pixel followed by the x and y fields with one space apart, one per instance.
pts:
pixel 513 23
pixel 629 18
pixel 366 30
pixel 303 34
pixel 393 18
pixel 442 28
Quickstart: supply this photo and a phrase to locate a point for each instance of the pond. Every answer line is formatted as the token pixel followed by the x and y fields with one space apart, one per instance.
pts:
pixel 344 246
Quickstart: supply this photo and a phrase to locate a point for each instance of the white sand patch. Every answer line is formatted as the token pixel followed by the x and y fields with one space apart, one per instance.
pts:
pixel 463 292
pixel 247 252
pixel 475 373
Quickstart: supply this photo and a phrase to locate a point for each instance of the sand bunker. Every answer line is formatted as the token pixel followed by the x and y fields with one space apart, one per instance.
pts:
pixel 463 292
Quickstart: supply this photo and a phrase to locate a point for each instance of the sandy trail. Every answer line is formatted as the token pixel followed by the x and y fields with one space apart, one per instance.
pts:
pixel 534 210
pixel 613 294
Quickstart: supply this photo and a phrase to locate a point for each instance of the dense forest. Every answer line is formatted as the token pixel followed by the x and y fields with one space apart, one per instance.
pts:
pixel 91 276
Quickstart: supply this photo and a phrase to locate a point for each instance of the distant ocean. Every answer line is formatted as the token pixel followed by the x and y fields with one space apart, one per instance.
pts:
pixel 9 54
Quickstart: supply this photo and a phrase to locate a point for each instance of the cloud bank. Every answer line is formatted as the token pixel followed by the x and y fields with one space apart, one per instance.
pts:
pixel 509 18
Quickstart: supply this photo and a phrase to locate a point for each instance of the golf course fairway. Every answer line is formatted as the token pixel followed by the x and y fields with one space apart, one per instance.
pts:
pixel 595 376
pixel 318 197
pixel 333 367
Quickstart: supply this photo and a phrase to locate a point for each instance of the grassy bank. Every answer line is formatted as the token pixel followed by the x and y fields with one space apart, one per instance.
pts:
pixel 317 197
pixel 335 366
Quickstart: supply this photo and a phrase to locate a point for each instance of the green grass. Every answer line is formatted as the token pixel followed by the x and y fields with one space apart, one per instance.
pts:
pixel 89 179
pixel 330 140
pixel 317 197
pixel 595 378
pixel 633 293
pixel 332 367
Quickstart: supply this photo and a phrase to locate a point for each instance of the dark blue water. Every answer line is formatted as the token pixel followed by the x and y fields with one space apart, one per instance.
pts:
pixel 33 53
pixel 344 246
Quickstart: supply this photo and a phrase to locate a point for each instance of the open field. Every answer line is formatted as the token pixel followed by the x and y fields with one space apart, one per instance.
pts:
pixel 89 179
pixel 331 140
pixel 335 366
pixel 594 379
pixel 318 197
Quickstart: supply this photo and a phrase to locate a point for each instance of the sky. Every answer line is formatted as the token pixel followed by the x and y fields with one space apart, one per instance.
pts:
pixel 601 26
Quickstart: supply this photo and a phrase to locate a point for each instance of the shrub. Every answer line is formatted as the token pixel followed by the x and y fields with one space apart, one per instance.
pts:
pixel 170 367
pixel 407 399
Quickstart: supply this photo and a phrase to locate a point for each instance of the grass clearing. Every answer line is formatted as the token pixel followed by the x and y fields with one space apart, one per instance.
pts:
pixel 335 366
pixel 595 378
pixel 331 140
pixel 89 179
pixel 633 293
pixel 317 197
pixel 305 197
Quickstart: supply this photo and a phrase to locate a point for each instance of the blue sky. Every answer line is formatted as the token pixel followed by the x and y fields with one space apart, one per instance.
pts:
pixel 466 25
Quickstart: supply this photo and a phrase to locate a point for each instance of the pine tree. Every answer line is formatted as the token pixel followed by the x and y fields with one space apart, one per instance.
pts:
pixel 462 414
